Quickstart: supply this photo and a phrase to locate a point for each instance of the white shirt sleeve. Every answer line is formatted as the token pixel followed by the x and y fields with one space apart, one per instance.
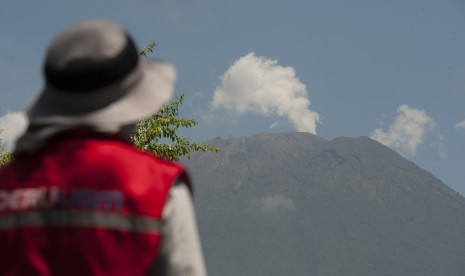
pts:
pixel 180 252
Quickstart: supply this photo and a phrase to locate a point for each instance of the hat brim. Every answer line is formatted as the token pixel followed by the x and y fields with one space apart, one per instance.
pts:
pixel 140 95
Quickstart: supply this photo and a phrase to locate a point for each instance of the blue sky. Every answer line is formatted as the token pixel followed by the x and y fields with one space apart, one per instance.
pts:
pixel 392 70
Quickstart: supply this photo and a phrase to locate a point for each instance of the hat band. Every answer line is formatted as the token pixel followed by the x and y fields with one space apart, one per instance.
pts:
pixel 73 104
pixel 93 78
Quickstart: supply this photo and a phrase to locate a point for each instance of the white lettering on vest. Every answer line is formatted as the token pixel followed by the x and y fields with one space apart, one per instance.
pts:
pixel 42 197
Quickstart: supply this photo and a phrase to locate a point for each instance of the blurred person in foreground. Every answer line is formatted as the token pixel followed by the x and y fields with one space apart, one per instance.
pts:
pixel 78 198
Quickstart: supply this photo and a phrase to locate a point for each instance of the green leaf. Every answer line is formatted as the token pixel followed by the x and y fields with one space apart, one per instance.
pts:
pixel 148 49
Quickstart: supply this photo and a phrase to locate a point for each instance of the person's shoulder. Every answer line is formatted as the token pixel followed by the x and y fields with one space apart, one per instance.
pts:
pixel 4 169
pixel 137 162
pixel 116 151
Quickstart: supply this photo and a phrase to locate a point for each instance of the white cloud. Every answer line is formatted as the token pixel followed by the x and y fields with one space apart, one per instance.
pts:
pixel 460 124
pixel 275 202
pixel 13 125
pixel 260 85
pixel 407 131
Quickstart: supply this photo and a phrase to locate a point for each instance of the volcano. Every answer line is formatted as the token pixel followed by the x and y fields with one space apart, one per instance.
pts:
pixel 298 204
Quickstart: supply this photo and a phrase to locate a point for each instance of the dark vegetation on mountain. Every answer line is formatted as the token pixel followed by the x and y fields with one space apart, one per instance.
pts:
pixel 297 204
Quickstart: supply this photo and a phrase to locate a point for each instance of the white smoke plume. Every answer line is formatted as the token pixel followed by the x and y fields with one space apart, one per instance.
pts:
pixel 13 124
pixel 260 85
pixel 407 131
pixel 460 124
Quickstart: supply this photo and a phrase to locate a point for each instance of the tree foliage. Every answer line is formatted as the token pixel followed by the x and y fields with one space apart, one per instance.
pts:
pixel 159 134
pixel 4 156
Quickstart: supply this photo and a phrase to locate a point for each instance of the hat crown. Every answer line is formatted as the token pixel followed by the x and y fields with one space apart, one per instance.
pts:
pixel 89 56
pixel 86 45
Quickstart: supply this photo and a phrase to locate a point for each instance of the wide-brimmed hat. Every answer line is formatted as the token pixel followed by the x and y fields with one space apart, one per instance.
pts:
pixel 94 75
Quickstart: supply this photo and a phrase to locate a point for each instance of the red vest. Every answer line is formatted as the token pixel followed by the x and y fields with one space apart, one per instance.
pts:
pixel 83 205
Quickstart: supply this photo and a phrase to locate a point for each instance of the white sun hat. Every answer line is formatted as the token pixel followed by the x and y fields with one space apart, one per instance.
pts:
pixel 94 76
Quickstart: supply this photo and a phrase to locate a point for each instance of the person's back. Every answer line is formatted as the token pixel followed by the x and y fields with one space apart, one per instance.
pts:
pixel 82 201
pixel 95 202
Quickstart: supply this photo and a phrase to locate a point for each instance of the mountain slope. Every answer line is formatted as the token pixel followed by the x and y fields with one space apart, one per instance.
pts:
pixel 297 204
